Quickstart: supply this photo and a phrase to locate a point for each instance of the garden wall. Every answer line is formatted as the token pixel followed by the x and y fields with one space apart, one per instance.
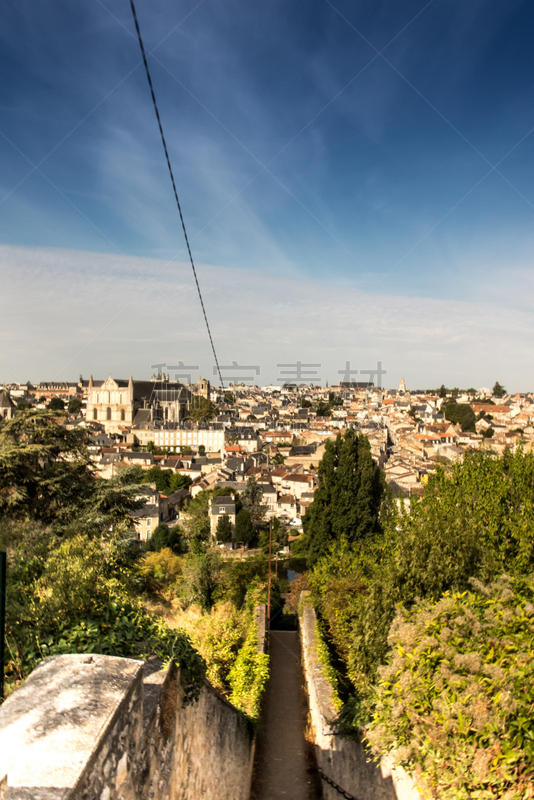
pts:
pixel 93 727
pixel 342 763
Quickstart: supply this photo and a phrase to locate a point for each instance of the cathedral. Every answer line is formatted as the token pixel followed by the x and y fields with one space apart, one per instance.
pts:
pixel 115 403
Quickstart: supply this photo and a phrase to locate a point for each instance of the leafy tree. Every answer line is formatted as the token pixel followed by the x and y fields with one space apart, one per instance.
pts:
pixel 244 529
pixel 443 391
pixel 474 520
pixel 164 538
pixel 239 575
pixel 202 577
pixel 278 535
pixel 498 390
pixel 150 446
pixel 224 529
pixel 70 548
pixel 202 409
pixel 46 474
pixel 56 404
pixel 488 433
pixel 185 450
pixel 196 518
pixel 305 403
pixel 201 450
pixel 323 409
pixel 160 571
pixel 75 405
pixel 460 413
pixel 251 500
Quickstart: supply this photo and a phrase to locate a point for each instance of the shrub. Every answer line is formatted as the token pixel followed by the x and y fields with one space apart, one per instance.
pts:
pixel 217 636
pixel 249 676
pixel 160 572
pixel 456 702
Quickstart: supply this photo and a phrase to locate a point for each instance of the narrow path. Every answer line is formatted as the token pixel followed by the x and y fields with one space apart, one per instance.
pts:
pixel 284 765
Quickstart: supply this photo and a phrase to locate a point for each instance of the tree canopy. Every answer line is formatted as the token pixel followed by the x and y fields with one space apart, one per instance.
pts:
pixel 460 413
pixel 498 390
pixel 475 519
pixel 224 529
pixel 202 409
pixel 348 499
pixel 71 546
pixel 244 529
pixel 46 474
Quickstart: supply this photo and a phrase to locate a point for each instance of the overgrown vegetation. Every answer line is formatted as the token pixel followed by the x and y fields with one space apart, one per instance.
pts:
pixel 475 520
pixel 70 548
pixel 166 481
pixel 462 672
pixel 78 581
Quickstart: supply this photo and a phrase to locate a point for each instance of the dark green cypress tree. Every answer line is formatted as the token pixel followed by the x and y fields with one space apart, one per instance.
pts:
pixel 344 510
pixel 348 499
pixel 318 521
pixel 366 510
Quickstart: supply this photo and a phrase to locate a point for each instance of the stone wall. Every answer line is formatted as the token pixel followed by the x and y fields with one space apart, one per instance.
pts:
pixel 342 761
pixel 92 727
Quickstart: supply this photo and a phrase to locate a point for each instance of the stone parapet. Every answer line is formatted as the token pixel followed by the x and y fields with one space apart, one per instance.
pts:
pixel 343 763
pixel 93 727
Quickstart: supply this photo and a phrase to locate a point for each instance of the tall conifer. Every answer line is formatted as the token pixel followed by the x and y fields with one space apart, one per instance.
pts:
pixel 348 498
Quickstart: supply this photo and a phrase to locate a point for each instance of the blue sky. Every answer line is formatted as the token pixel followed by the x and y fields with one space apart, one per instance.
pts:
pixel 375 154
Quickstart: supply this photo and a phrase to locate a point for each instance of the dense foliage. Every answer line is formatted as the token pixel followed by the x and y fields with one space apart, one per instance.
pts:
pixel 460 413
pixel 348 499
pixel 475 520
pixel 166 481
pixel 202 409
pixel 70 548
pixel 456 701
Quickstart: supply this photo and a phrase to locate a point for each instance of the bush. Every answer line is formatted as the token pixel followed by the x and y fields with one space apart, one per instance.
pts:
pixel 456 702
pixel 217 636
pixel 160 571
pixel 249 676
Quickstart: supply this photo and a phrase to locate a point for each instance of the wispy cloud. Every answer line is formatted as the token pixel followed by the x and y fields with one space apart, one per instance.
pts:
pixel 94 313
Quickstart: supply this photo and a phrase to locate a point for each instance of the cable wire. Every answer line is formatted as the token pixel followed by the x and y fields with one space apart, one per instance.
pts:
pixel 141 45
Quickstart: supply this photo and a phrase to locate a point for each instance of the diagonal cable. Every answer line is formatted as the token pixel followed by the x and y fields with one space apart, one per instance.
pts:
pixel 97 106
pixel 154 102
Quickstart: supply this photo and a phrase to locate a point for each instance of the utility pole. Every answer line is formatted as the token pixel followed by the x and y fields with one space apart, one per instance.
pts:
pixel 269 579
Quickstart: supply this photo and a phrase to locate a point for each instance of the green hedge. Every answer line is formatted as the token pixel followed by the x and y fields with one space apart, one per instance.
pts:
pixel 455 705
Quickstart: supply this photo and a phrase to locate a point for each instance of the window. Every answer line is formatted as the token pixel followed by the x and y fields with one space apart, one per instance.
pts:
pixel 94 413
pixel 123 414
pixel 108 413
pixel 222 509
pixel 148 523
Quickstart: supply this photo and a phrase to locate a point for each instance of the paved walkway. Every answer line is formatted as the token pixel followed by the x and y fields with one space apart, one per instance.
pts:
pixel 284 766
